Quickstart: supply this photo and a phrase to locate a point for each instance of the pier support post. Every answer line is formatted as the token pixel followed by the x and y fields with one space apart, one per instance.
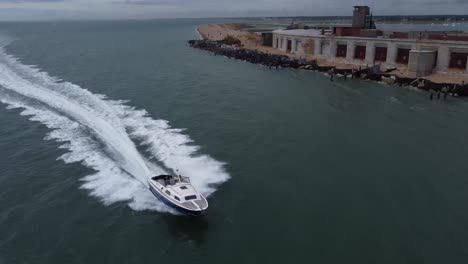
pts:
pixel 275 41
pixel 350 49
pixel 392 52
pixel 293 45
pixel 317 47
pixel 466 69
pixel 333 47
pixel 443 58
pixel 370 53
pixel 299 46
pixel 284 44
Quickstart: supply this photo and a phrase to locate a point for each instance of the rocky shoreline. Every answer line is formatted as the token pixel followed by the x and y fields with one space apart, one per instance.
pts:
pixel 282 61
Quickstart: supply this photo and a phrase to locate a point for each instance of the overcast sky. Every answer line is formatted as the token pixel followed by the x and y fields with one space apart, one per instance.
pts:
pixel 144 9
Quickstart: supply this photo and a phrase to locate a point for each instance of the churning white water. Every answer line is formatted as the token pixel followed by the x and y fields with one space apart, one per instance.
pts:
pixel 100 134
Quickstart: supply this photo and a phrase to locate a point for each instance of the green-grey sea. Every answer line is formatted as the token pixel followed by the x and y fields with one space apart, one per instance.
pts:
pixel 297 169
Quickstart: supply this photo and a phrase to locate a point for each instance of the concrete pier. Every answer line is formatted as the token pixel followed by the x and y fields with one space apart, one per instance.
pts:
pixel 350 51
pixel 293 46
pixel 332 50
pixel 443 58
pixel 370 53
pixel 317 46
pixel 392 52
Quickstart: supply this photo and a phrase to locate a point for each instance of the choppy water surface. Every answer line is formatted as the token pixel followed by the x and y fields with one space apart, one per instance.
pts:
pixel 296 167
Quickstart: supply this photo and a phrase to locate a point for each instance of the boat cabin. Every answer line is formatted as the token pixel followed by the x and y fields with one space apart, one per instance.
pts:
pixel 177 187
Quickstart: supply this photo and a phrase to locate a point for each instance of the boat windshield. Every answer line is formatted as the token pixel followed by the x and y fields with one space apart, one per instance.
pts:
pixel 170 180
pixel 177 179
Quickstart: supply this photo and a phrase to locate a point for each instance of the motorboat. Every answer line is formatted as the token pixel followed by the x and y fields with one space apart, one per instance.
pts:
pixel 178 193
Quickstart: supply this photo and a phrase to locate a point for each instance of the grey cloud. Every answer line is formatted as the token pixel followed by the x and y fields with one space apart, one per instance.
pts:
pixel 30 1
pixel 155 2
pixel 447 2
pixel 427 3
pixel 228 8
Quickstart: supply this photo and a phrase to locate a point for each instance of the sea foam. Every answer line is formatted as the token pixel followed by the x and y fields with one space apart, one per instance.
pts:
pixel 101 134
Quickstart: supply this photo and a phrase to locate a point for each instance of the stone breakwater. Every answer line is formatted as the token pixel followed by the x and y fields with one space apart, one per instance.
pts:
pixel 282 61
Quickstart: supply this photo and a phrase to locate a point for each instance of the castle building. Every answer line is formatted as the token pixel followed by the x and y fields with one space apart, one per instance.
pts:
pixel 361 44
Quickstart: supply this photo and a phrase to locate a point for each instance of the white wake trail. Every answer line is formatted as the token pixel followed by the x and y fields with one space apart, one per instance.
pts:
pixel 95 133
